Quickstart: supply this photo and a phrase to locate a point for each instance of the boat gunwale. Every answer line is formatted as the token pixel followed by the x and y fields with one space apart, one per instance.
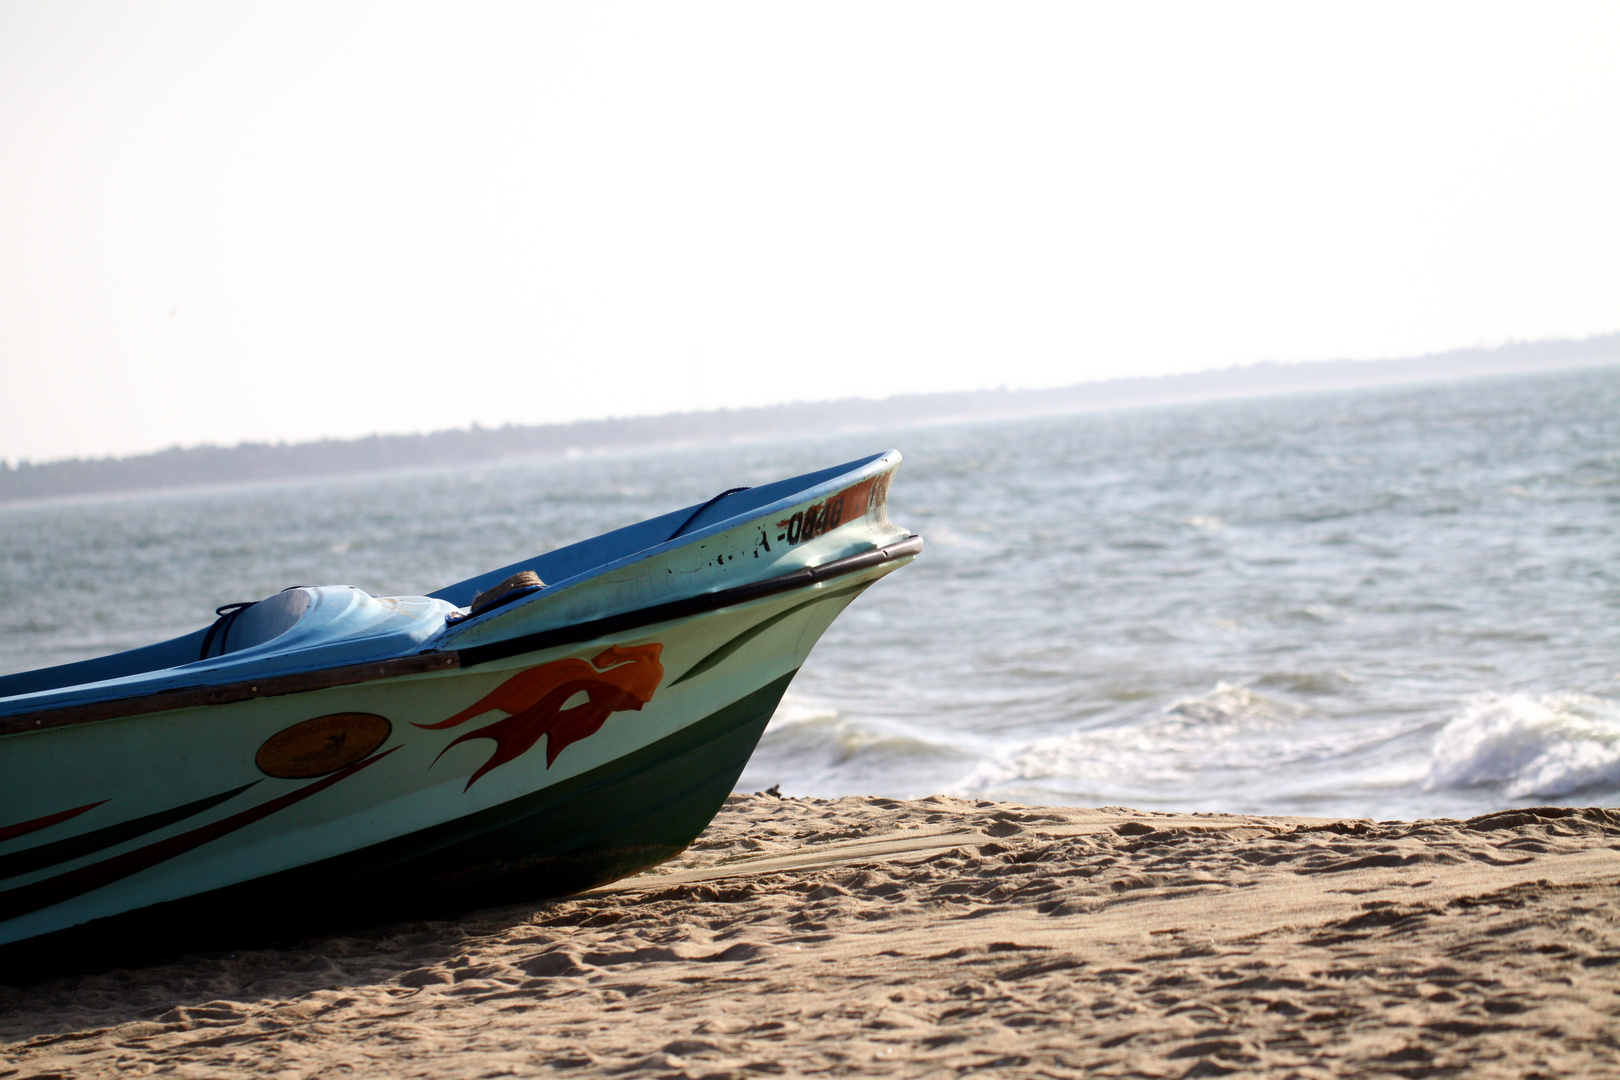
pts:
pixel 434 660
pixel 838 477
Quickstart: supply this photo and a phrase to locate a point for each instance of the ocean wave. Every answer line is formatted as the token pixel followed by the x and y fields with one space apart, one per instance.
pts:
pixel 796 709
pixel 811 746
pixel 1545 745
pixel 1231 707
pixel 1227 726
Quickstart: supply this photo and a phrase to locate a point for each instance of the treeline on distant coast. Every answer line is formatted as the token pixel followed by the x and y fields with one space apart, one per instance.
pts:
pixel 184 467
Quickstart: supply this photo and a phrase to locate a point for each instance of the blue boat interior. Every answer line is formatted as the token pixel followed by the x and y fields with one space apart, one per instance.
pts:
pixel 302 618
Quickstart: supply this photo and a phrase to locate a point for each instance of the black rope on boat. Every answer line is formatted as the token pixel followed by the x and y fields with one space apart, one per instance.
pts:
pixel 227 618
pixel 699 510
pixel 222 626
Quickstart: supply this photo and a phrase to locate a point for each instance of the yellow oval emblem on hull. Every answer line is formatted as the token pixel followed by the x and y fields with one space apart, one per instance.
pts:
pixel 322 745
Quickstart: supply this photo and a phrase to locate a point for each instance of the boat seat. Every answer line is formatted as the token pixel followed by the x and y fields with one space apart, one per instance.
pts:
pixel 316 615
pixel 266 620
pixel 341 623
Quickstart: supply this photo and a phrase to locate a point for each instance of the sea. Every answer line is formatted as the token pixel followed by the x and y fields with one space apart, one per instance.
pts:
pixel 1395 602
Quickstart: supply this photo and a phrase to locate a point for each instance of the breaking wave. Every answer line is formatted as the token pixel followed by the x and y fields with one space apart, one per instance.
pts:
pixel 1227 725
pixel 810 746
pixel 1546 745
pixel 797 709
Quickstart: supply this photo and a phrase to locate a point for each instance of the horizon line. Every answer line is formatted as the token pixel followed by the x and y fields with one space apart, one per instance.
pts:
pixel 1456 354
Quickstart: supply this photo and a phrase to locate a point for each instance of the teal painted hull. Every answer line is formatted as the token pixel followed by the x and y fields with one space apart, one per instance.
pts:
pixel 616 820
pixel 620 818
pixel 580 733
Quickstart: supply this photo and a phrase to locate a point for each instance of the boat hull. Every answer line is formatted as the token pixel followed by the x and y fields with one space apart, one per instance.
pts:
pixel 456 794
pixel 620 818
pixel 340 756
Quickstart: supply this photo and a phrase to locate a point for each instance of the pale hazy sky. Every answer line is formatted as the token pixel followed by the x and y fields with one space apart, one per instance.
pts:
pixel 222 222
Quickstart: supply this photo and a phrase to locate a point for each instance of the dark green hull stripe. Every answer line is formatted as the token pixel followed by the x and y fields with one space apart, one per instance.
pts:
pixel 60 851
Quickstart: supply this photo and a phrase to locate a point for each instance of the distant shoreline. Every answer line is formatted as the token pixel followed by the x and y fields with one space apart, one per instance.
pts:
pixel 248 462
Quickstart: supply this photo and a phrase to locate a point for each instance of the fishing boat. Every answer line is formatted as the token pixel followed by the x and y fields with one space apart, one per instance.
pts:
pixel 530 732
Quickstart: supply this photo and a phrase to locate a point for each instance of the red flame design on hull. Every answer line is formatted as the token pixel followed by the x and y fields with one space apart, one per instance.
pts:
pixel 617 679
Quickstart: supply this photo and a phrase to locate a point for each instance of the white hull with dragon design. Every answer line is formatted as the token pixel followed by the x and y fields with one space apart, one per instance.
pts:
pixel 558 738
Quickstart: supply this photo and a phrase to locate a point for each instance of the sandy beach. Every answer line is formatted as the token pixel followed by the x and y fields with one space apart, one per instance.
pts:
pixel 937 937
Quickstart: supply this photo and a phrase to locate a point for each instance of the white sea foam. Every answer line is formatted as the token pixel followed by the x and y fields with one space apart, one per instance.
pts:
pixel 1227 725
pixel 798 709
pixel 811 746
pixel 1547 745
pixel 1230 707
